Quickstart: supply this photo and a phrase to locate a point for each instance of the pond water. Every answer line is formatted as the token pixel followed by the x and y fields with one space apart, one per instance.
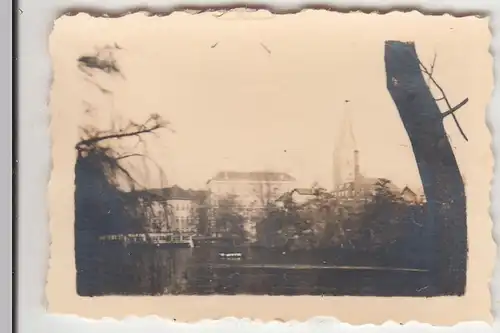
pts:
pixel 142 269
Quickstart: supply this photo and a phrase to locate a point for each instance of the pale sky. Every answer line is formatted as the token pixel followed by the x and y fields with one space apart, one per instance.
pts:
pixel 238 106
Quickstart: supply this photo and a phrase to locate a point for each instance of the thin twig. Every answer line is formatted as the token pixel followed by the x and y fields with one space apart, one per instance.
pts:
pixel 103 90
pixel 129 155
pixel 433 64
pixel 452 110
pixel 426 71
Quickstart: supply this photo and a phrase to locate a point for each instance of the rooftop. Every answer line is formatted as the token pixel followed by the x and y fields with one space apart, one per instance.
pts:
pixel 257 176
pixel 304 191
pixel 368 182
pixel 170 193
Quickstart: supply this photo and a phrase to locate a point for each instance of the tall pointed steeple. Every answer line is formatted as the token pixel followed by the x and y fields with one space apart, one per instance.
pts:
pixel 345 163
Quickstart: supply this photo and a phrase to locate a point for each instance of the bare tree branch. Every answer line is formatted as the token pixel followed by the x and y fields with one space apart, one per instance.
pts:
pixel 443 94
pixel 129 155
pixel 452 110
pixel 432 65
pixel 116 136
pixel 101 89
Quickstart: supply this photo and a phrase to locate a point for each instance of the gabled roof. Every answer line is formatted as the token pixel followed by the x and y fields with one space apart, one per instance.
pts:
pixel 407 189
pixel 303 191
pixel 285 196
pixel 299 191
pixel 259 176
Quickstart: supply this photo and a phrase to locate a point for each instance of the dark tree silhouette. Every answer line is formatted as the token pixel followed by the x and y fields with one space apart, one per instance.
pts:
pixel 314 223
pixel 278 224
pixel 229 219
pixel 202 209
pixel 443 185
pixel 101 207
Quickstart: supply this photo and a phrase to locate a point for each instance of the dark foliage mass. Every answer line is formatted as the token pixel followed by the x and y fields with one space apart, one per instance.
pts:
pixel 324 222
pixel 101 207
pixel 229 219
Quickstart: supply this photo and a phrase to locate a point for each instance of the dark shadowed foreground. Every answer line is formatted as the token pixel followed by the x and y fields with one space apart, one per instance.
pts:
pixel 263 271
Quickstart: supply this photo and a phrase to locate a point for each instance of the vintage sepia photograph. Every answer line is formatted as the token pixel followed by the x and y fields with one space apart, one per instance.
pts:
pixel 242 152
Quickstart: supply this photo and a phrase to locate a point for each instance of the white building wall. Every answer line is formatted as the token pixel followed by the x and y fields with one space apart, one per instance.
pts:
pixel 252 196
pixel 184 215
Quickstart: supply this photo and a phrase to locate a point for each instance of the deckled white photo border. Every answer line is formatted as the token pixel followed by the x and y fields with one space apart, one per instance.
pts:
pixel 34 151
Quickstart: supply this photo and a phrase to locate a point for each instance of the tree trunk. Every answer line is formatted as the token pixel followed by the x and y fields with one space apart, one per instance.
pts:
pixel 443 185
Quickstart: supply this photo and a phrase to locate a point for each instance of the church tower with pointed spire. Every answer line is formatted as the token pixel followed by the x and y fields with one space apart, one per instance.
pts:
pixel 345 154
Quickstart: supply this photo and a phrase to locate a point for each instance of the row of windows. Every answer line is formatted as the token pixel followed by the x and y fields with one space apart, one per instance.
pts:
pixel 178 219
pixel 345 193
pixel 244 201
pixel 261 188
pixel 184 219
pixel 352 193
pixel 181 207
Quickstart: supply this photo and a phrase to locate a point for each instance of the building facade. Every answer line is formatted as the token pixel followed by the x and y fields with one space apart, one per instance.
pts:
pixel 170 209
pixel 250 193
pixel 184 210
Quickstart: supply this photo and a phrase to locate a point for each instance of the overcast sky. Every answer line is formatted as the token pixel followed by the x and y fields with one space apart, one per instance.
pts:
pixel 271 93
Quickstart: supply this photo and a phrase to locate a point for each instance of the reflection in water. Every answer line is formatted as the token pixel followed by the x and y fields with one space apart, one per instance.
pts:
pixel 142 269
